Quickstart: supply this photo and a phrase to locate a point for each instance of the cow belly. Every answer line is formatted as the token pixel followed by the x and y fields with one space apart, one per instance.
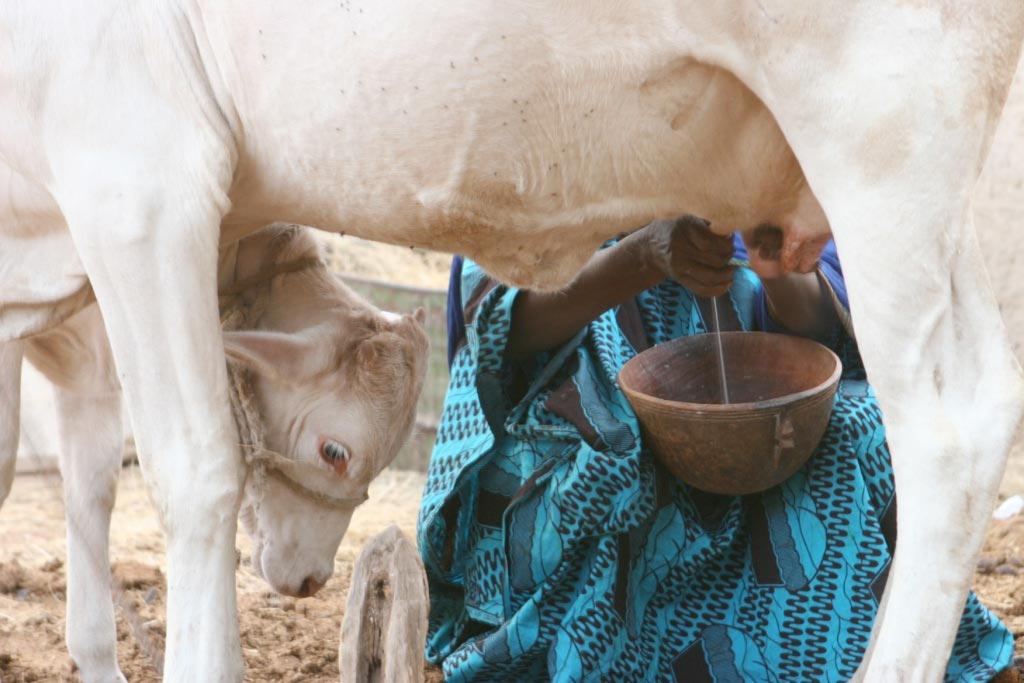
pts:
pixel 42 283
pixel 525 144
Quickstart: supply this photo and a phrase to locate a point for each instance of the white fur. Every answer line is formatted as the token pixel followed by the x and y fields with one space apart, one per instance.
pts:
pixel 523 134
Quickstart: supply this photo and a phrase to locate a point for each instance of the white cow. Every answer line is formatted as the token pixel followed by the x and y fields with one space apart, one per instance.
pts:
pixel 522 133
pixel 336 383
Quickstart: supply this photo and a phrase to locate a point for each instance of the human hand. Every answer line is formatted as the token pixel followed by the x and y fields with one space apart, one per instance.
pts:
pixel 798 301
pixel 686 250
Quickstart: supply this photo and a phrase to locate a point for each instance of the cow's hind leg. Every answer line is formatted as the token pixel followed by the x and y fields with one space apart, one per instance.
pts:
pixel 76 358
pixel 10 413
pixel 91 448
pixel 890 116
pixel 951 411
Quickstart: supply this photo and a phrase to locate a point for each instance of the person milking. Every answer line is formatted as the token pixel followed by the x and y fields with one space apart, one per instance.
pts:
pixel 558 548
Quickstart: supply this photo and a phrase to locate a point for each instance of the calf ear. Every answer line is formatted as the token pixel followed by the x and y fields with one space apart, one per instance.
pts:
pixel 278 356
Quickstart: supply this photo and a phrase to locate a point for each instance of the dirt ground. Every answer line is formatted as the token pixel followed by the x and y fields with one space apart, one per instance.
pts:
pixel 283 639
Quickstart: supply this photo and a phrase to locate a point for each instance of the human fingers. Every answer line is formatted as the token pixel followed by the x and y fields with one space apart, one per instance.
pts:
pixel 675 245
pixel 702 279
pixel 707 240
pixel 698 243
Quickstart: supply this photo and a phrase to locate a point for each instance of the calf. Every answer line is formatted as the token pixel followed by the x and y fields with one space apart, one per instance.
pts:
pixel 335 385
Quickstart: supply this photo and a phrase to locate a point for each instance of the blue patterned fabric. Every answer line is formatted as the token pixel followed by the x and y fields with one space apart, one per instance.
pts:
pixel 557 549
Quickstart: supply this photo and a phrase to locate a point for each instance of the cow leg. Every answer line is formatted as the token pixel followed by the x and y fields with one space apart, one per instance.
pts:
pixel 950 420
pixel 76 358
pixel 154 274
pixel 894 176
pixel 10 413
pixel 92 439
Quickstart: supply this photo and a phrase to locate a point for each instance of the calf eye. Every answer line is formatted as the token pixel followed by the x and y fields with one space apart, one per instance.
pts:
pixel 333 453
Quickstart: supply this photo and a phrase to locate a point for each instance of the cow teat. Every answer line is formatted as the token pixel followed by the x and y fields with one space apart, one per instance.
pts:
pixel 767 240
pixel 795 253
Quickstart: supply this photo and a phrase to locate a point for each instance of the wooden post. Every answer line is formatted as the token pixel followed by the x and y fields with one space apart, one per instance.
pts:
pixel 384 631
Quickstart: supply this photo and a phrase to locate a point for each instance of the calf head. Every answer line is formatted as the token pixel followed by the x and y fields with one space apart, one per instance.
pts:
pixel 338 399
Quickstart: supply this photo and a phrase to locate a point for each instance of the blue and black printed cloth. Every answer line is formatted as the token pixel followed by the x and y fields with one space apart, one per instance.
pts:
pixel 557 549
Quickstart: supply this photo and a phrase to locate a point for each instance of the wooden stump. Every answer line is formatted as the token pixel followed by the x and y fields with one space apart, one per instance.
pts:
pixel 384 631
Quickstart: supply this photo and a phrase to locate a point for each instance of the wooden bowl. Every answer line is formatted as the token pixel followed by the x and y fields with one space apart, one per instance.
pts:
pixel 781 390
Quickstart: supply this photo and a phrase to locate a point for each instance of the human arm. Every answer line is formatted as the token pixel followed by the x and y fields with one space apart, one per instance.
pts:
pixel 801 303
pixel 682 248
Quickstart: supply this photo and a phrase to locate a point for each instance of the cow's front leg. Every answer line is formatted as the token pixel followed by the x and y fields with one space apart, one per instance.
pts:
pixel 154 273
pixel 10 413
pixel 891 141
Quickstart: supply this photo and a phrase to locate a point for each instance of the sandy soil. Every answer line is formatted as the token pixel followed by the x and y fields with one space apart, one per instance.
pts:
pixel 283 639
